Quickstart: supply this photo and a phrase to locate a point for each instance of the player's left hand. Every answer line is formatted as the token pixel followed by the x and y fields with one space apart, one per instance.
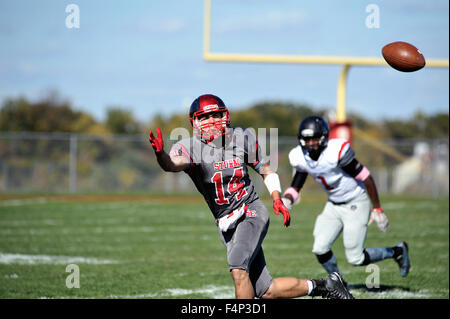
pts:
pixel 157 142
pixel 278 207
pixel 287 202
pixel 380 218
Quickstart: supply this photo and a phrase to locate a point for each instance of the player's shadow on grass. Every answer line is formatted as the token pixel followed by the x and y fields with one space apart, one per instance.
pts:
pixel 382 288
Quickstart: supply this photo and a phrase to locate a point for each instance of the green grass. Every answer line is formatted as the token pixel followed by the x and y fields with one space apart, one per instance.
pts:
pixel 170 249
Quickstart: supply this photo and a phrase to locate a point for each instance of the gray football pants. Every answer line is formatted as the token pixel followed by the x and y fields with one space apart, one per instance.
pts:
pixel 244 249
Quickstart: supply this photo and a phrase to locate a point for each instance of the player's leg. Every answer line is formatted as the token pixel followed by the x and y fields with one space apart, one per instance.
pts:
pixel 399 253
pixel 355 216
pixel 327 229
pixel 243 246
pixel 238 270
pixel 284 287
pixel 243 287
pixel 268 288
pixel 331 287
pixel 355 220
pixel 287 287
pixel 290 287
pixel 328 262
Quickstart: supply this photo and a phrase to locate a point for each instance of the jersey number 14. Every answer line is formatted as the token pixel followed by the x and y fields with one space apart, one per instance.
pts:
pixel 235 185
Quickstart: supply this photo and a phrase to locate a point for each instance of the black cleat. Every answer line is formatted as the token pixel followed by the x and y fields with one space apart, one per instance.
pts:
pixel 335 287
pixel 332 287
pixel 403 259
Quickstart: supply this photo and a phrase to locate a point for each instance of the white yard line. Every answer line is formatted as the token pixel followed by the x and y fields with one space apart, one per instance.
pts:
pixel 227 292
pixel 21 202
pixel 393 294
pixel 215 292
pixel 22 259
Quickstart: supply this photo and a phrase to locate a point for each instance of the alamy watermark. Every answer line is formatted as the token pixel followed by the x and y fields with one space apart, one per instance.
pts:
pixel 242 143
pixel 373 19
pixel 73 280
pixel 73 17
pixel 373 280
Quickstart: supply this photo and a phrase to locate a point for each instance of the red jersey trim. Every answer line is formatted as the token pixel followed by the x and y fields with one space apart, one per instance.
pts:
pixel 342 147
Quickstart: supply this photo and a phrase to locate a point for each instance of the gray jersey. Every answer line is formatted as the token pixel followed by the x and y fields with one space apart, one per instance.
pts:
pixel 221 173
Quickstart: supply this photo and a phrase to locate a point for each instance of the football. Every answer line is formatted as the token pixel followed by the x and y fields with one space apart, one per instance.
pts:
pixel 403 56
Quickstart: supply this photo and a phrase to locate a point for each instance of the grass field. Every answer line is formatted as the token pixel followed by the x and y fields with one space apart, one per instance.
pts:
pixel 167 247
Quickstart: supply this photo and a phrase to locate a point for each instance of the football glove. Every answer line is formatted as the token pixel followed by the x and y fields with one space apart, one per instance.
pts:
pixel 287 202
pixel 157 142
pixel 278 207
pixel 380 218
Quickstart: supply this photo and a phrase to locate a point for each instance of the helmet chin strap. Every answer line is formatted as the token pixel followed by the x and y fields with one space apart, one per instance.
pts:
pixel 314 154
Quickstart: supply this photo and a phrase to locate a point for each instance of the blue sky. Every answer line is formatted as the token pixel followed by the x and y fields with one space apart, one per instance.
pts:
pixel 146 56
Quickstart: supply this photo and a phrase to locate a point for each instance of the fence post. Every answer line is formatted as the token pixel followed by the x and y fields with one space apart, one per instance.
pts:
pixel 73 163
pixel 5 175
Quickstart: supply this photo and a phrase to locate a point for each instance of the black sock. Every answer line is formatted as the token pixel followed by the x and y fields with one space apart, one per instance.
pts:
pixel 318 287
pixel 397 251
pixel 366 260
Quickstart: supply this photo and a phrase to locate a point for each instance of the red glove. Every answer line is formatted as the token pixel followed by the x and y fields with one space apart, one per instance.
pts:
pixel 278 207
pixel 157 142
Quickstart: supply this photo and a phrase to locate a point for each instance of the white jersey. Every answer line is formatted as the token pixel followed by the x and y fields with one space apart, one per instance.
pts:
pixel 339 186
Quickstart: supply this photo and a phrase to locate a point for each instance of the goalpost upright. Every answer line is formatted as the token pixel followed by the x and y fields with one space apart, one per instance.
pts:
pixel 342 127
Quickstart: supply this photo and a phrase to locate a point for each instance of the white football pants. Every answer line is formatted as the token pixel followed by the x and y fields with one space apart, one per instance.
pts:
pixel 351 219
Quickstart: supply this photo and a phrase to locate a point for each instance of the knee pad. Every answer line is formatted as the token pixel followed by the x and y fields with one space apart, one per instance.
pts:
pixel 319 249
pixel 323 258
pixel 355 258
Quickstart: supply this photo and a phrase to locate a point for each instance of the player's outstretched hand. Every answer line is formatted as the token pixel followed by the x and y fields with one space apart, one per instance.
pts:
pixel 287 202
pixel 157 142
pixel 380 218
pixel 278 207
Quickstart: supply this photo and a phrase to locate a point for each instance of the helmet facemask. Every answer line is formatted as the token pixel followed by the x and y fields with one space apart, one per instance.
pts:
pixel 316 149
pixel 313 128
pixel 210 130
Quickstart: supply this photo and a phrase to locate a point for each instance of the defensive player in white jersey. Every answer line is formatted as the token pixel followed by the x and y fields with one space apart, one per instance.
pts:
pixel 216 159
pixel 350 189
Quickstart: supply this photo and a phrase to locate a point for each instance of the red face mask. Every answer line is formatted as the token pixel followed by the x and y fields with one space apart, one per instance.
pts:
pixel 210 125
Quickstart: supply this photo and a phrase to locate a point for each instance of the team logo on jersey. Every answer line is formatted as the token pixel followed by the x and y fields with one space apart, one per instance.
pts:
pixel 353 207
pixel 250 213
pixel 235 162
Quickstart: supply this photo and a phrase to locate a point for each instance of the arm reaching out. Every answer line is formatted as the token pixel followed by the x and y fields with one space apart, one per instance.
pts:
pixel 361 173
pixel 272 181
pixel 377 213
pixel 167 163
pixel 291 195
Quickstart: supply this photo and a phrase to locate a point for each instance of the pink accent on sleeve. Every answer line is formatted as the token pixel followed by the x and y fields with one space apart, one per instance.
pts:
pixel 363 174
pixel 292 192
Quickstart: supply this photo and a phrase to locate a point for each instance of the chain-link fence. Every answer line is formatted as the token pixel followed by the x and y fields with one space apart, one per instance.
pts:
pixel 59 162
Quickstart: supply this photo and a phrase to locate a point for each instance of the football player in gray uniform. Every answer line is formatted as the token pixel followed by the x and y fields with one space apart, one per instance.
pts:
pixel 350 189
pixel 217 158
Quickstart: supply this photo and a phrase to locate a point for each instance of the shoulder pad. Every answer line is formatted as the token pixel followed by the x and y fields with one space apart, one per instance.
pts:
pixel 336 149
pixel 296 156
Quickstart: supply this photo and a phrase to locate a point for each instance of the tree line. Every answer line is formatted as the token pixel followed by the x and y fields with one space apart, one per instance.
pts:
pixel 52 114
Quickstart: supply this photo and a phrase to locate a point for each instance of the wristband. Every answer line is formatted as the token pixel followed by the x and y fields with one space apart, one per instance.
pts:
pixel 291 191
pixel 378 210
pixel 362 176
pixel 272 182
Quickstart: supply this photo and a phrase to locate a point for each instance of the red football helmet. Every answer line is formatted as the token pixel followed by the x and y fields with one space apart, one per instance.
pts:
pixel 209 130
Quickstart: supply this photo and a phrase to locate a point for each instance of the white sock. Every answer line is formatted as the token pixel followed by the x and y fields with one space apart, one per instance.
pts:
pixel 310 286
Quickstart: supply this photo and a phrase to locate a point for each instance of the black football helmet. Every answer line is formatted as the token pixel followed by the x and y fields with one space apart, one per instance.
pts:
pixel 205 104
pixel 313 127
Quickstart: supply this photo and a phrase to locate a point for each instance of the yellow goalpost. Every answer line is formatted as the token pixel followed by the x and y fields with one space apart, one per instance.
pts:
pixel 345 61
